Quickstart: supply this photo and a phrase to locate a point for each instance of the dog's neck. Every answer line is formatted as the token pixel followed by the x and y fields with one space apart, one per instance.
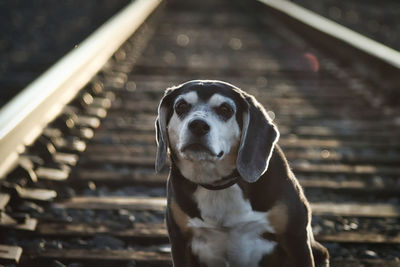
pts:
pixel 222 183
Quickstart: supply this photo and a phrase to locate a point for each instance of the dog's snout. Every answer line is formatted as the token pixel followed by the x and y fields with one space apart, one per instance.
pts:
pixel 199 127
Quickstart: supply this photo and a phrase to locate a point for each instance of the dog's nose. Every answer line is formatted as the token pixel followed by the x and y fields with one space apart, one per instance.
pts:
pixel 199 127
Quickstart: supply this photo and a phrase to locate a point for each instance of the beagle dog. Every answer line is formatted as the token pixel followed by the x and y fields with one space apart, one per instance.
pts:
pixel 232 198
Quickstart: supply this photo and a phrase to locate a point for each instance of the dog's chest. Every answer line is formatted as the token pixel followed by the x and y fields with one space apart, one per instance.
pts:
pixel 230 232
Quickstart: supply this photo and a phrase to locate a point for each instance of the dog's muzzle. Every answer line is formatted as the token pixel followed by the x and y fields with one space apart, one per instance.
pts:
pixel 199 130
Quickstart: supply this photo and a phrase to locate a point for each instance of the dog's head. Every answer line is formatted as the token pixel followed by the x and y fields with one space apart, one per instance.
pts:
pixel 212 128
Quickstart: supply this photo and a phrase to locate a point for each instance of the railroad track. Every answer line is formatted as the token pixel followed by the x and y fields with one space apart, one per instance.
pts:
pixel 84 193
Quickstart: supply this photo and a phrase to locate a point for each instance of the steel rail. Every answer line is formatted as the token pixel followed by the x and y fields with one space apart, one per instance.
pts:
pixel 24 117
pixel 336 31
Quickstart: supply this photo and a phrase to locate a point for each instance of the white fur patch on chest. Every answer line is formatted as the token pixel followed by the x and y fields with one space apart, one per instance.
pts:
pixel 230 232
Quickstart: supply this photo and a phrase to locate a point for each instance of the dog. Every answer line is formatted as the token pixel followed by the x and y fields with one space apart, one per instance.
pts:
pixel 232 199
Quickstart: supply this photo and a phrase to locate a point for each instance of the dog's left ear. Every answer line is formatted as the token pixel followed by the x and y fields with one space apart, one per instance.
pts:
pixel 259 136
pixel 161 129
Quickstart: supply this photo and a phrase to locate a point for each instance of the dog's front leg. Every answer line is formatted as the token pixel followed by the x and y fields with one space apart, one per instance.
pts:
pixel 298 249
pixel 183 256
pixel 181 250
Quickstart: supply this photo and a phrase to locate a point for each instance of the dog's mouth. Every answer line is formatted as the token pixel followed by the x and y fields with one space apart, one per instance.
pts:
pixel 197 147
pixel 200 148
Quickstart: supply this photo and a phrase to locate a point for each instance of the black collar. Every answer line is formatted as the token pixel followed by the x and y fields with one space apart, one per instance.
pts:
pixel 224 182
pixel 220 184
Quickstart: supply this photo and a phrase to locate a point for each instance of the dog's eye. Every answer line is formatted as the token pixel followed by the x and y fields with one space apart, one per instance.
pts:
pixel 225 111
pixel 181 107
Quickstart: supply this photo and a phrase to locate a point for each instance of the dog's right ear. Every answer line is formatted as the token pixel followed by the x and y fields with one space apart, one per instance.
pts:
pixel 164 113
pixel 162 138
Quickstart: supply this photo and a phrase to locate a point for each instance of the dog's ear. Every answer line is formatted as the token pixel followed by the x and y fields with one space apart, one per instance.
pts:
pixel 259 136
pixel 164 112
pixel 162 138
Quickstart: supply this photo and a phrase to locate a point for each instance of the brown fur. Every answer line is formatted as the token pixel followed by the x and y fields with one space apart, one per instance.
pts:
pixel 278 217
pixel 181 218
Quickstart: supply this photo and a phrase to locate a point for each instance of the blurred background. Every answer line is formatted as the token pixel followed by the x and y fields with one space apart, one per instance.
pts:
pixel 34 34
pixel 378 20
pixel 339 134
